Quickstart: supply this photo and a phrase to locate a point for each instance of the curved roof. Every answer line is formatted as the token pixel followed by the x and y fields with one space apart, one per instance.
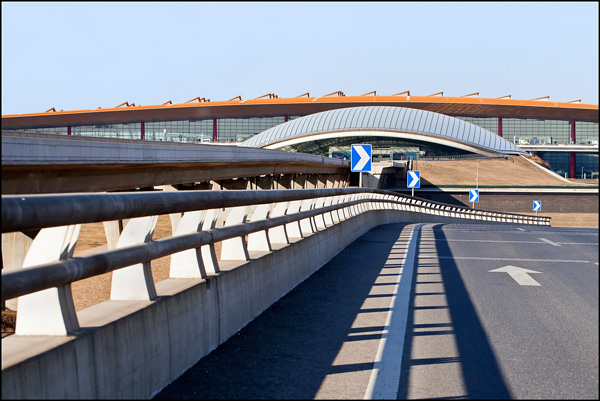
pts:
pixel 387 121
pixel 198 109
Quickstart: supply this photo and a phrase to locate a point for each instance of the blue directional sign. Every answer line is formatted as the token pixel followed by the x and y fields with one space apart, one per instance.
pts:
pixel 413 179
pixel 537 206
pixel 474 195
pixel 360 159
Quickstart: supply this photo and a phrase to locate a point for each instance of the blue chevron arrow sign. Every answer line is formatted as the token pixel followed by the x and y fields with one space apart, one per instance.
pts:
pixel 474 195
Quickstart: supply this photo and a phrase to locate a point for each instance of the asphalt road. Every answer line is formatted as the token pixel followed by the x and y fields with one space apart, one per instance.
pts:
pixel 440 323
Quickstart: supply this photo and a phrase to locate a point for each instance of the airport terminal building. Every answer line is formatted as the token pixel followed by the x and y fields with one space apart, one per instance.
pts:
pixel 400 126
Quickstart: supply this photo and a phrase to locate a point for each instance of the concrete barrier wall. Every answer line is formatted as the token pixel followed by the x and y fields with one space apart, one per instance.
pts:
pixel 133 349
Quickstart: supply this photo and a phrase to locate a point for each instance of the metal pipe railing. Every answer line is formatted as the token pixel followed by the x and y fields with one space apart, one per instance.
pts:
pixel 27 280
pixel 21 213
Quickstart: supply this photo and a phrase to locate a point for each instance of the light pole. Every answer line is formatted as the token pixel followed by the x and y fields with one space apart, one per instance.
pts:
pixel 476 181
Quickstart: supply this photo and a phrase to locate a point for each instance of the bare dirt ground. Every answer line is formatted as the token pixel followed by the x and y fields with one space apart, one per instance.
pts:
pixel 517 171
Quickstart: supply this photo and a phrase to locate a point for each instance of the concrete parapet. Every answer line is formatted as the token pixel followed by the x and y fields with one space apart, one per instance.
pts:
pixel 132 349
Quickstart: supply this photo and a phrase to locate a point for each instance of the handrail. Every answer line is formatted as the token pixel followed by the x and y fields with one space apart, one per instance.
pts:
pixel 23 281
pixel 21 213
pixel 31 212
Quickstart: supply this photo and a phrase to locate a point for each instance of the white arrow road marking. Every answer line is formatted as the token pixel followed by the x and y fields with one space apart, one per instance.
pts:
pixel 364 158
pixel 519 274
pixel 414 177
pixel 550 242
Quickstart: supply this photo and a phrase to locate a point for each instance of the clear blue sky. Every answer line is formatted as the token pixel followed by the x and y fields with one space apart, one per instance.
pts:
pixel 76 56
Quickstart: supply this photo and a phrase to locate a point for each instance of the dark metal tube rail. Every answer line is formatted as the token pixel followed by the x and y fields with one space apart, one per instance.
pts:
pixel 27 280
pixel 20 213
pixel 31 212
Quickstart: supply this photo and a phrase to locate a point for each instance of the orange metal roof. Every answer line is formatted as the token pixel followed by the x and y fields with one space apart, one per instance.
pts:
pixel 305 105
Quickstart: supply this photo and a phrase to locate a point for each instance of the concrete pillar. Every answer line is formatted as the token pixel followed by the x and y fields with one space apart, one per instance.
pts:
pixel 188 263
pixel 233 184
pixel 299 181
pixel 113 230
pixel 264 182
pixel 285 181
pixel 312 181
pixel 322 181
pixel 235 248
pixel 49 312
pixel 134 282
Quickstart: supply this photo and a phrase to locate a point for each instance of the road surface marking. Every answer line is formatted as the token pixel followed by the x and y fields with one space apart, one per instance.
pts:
pixel 514 259
pixel 520 275
pixel 385 376
pixel 550 242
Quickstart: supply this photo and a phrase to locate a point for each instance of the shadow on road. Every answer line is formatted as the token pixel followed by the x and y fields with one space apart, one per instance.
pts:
pixel 478 368
pixel 289 350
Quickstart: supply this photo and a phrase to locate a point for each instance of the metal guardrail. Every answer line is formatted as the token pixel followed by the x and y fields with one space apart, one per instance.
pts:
pixel 208 217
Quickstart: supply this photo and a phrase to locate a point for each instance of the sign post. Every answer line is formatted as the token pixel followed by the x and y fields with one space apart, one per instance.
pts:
pixel 413 180
pixel 360 160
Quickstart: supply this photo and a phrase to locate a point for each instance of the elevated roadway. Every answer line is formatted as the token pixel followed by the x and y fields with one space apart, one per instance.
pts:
pixel 41 163
pixel 424 311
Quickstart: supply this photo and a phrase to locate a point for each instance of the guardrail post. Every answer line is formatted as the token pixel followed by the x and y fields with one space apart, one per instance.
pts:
pixel 14 249
pixel 112 230
pixel 49 312
pixel 134 282
pixel 293 228
pixel 235 248
pixel 259 241
pixel 307 225
pixel 278 235
pixel 209 256
pixel 188 263
pixel 320 219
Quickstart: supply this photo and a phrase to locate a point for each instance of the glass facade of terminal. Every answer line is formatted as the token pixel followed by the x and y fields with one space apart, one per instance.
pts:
pixel 231 130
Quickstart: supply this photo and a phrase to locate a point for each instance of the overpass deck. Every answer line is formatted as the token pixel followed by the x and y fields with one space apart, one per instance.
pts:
pixel 43 163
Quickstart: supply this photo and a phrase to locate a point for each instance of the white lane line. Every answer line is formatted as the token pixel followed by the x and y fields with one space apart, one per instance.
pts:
pixel 385 375
pixel 515 242
pixel 519 228
pixel 514 259
pixel 550 242
pixel 486 240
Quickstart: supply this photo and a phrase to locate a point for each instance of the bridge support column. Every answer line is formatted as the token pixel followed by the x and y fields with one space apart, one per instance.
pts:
pixel 312 181
pixel 264 182
pixel 299 181
pixel 285 181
